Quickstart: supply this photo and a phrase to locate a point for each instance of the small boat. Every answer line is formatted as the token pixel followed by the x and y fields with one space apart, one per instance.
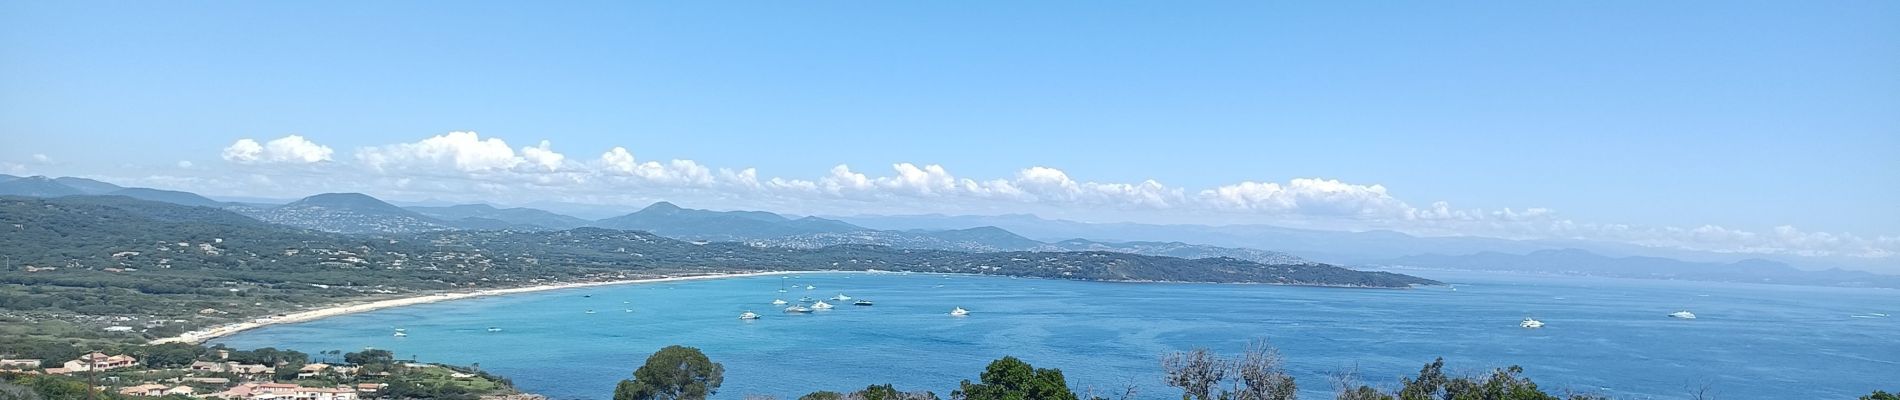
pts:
pixel 1531 323
pixel 820 306
pixel 494 329
pixel 748 315
pixel 401 330
pixel 810 287
pixel 629 310
pixel 861 302
pixel 1684 314
pixel 401 334
pixel 806 299
pixel 959 311
pixel 590 311
pixel 778 302
pixel 841 297
pixel 797 309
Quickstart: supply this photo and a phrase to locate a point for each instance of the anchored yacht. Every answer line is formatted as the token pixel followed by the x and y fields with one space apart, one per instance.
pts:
pixel 1531 323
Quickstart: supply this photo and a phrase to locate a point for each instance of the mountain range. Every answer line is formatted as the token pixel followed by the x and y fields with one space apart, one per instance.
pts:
pixel 352 213
pixel 355 213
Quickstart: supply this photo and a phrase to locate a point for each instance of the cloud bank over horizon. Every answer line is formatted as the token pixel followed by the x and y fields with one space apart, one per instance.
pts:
pixel 463 166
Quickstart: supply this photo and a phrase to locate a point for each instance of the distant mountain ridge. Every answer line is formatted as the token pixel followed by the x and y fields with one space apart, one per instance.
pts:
pixel 346 213
pixel 667 219
pixel 518 216
pixel 1582 262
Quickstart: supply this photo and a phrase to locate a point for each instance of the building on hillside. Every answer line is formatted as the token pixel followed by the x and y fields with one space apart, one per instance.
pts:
pixel 312 370
pixel 156 390
pixel 286 391
pixel 99 362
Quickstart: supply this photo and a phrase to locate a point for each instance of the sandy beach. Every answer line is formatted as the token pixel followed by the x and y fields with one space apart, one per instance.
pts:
pixel 199 336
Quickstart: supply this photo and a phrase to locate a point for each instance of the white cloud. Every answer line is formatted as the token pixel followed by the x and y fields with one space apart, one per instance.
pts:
pixel 619 162
pixel 184 164
pixel 291 149
pixel 462 151
pixel 42 158
pixel 1308 197
pixel 543 156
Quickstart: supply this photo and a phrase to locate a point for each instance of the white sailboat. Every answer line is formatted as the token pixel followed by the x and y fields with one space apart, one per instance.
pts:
pixel 1531 323
pixel 1684 314
pixel 821 305
pixel 959 311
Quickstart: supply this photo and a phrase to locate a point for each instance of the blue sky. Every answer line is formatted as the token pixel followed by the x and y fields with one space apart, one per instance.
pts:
pixel 1742 115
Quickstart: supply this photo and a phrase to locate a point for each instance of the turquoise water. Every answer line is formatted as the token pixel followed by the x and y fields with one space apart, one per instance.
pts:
pixel 1605 336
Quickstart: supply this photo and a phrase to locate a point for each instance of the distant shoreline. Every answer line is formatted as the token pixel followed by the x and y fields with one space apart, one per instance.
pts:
pixel 202 335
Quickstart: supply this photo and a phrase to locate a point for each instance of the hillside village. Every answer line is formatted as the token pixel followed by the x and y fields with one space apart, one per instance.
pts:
pixel 180 371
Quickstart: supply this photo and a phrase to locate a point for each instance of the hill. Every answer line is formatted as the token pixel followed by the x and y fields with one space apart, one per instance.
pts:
pixel 517 217
pixel 167 196
pixel 87 186
pixel 669 220
pixel 355 213
pixel 37 186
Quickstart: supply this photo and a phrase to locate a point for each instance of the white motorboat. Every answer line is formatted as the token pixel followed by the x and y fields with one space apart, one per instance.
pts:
pixel 810 287
pixel 748 315
pixel 590 311
pixel 841 297
pixel 821 305
pixel 959 311
pixel 402 334
pixel 1684 314
pixel 1531 323
pixel 779 302
pixel 494 329
pixel 797 309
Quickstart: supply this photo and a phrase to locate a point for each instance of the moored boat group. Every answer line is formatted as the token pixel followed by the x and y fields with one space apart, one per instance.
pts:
pixel 807 305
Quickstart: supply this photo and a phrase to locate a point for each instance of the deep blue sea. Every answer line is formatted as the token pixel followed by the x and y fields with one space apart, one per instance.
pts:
pixel 1604 335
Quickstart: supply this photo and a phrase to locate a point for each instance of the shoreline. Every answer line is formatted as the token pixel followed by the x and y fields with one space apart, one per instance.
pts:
pixel 202 335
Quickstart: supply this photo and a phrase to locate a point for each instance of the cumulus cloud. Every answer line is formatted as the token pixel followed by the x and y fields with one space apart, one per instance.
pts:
pixel 291 149
pixel 619 162
pixel 1308 196
pixel 461 151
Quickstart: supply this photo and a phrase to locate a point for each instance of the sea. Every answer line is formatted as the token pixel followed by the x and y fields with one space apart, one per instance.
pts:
pixel 1603 336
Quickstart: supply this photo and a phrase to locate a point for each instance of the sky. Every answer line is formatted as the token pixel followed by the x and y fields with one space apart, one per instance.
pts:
pixel 1767 127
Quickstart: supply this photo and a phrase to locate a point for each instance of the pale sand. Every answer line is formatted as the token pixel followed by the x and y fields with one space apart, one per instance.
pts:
pixel 199 336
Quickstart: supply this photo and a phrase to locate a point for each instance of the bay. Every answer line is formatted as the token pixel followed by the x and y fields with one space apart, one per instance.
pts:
pixel 1605 336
